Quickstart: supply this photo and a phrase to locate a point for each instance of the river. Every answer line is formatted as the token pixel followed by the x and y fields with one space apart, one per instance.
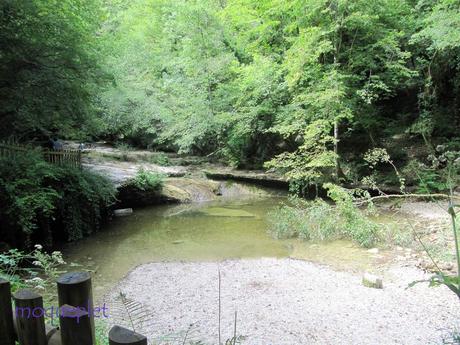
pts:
pixel 209 231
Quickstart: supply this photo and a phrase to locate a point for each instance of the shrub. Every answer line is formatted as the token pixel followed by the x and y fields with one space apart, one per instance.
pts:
pixel 427 179
pixel 25 197
pixel 354 222
pixel 160 158
pixel 288 221
pixel 318 220
pixel 35 269
pixel 314 220
pixel 147 180
pixel 84 197
pixel 40 201
pixel 125 150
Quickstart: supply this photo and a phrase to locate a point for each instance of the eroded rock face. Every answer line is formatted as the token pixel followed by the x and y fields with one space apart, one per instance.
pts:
pixel 187 190
pixel 261 178
pixel 120 172
pixel 174 190
pixel 174 194
pixel 184 183
pixel 191 190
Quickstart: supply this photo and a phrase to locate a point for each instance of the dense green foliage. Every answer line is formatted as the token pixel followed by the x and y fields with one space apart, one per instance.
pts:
pixel 147 180
pixel 297 81
pixel 49 67
pixel 303 86
pixel 43 201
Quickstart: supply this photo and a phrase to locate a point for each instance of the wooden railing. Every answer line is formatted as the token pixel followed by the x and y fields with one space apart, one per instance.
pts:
pixel 58 157
pixel 76 316
pixel 63 157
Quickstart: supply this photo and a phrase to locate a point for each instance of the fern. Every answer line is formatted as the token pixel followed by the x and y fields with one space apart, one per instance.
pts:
pixel 131 314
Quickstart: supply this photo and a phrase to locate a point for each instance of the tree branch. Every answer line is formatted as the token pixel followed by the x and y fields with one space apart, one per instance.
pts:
pixel 389 196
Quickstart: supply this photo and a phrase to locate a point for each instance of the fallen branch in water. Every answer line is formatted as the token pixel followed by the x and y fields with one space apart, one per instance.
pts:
pixel 389 196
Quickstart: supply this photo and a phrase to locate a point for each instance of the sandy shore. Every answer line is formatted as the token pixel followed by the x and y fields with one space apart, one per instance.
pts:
pixel 289 302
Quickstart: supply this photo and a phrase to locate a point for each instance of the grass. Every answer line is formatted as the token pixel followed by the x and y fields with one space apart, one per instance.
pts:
pixel 102 331
pixel 321 221
pixel 159 158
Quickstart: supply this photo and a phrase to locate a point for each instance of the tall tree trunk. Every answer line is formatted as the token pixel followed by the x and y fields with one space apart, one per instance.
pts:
pixel 336 149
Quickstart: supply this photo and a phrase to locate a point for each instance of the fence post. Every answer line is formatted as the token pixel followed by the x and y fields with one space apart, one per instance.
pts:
pixel 75 326
pixel 74 288
pixel 7 336
pixel 67 156
pixel 122 336
pixel 49 329
pixel 31 323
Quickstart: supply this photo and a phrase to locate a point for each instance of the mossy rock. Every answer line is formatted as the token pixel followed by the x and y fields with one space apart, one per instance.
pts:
pixel 175 194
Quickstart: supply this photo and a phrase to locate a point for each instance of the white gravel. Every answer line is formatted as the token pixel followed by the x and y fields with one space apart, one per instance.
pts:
pixel 290 302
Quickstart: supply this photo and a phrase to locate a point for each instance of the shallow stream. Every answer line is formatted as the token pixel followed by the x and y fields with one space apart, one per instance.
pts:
pixel 212 231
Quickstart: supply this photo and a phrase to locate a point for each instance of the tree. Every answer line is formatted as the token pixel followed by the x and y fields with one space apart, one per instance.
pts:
pixel 49 67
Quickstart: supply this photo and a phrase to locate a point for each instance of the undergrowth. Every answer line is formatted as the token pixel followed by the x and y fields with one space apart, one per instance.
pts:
pixel 42 202
pixel 319 220
pixel 147 180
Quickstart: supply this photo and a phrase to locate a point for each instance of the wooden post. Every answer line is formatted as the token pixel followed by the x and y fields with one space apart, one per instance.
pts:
pixel 30 318
pixel 74 288
pixel 122 336
pixel 76 326
pixel 7 336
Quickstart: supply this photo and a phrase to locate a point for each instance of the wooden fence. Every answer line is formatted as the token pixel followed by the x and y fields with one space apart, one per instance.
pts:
pixel 63 157
pixel 58 157
pixel 76 316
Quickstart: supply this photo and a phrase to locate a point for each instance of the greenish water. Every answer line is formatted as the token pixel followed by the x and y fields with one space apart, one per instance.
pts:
pixel 201 232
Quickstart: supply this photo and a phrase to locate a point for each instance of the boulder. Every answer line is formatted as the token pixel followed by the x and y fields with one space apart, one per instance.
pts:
pixel 123 212
pixel 372 281
pixel 174 194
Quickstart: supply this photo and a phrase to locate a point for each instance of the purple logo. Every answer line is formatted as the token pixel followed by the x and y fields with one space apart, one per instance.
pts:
pixel 63 311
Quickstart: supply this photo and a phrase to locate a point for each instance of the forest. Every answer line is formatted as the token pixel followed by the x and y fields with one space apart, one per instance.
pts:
pixel 332 126
pixel 289 84
pixel 305 88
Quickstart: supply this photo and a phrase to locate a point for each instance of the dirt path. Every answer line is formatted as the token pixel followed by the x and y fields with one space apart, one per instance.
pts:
pixel 290 302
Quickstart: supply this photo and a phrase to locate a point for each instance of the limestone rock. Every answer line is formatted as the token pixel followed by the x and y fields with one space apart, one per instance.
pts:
pixel 123 212
pixel 372 281
pixel 173 193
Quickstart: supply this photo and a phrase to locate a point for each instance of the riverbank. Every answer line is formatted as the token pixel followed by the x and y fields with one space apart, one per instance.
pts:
pixel 178 251
pixel 120 165
pixel 428 225
pixel 290 302
pixel 167 259
pixel 186 179
pixel 191 179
